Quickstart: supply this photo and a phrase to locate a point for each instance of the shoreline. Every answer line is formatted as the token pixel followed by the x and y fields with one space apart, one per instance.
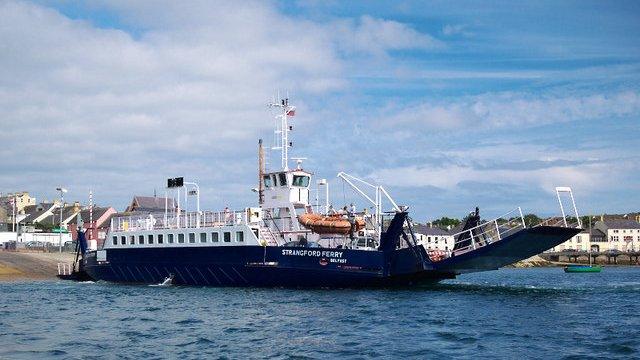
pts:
pixel 24 265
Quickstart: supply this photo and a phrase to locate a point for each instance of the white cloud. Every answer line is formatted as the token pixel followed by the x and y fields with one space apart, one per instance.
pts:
pixel 377 36
pixel 185 95
pixel 582 178
pixel 514 109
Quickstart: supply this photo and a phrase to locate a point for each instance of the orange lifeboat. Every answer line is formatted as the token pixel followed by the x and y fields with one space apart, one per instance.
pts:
pixel 329 224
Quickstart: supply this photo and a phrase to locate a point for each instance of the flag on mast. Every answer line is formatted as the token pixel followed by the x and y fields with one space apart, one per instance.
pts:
pixel 291 111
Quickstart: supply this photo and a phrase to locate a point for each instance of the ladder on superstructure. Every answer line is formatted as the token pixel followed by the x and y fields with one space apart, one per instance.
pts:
pixel 268 235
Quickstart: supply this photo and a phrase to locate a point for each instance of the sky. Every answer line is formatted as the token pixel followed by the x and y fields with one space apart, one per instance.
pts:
pixel 448 105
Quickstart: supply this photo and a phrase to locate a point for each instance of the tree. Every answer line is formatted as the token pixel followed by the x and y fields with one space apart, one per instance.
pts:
pixel 531 220
pixel 446 222
pixel 45 227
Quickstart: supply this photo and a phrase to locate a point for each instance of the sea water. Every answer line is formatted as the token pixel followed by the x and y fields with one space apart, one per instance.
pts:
pixel 511 313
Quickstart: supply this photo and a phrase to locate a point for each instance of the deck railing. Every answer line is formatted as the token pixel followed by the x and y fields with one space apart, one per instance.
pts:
pixel 559 221
pixel 159 221
pixel 65 268
pixel 489 232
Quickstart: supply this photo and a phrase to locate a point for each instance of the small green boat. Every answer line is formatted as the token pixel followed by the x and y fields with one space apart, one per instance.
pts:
pixel 583 269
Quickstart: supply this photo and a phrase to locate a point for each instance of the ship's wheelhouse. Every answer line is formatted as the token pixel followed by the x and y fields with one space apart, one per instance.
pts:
pixel 286 187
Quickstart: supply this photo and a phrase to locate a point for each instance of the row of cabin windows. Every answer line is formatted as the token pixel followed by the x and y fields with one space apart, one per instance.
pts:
pixel 180 239
pixel 280 179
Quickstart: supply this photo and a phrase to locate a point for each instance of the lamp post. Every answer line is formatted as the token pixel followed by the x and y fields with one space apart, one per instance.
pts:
pixel 62 191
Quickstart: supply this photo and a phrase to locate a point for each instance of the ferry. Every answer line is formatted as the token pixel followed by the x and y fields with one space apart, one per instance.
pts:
pixel 285 240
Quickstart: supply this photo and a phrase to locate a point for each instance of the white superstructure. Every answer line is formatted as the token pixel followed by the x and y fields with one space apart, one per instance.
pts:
pixel 284 194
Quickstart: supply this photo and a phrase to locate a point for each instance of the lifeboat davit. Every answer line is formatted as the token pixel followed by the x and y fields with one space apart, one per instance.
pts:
pixel 329 224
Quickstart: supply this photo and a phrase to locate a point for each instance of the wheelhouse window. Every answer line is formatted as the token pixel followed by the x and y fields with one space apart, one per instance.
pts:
pixel 160 238
pixel 132 240
pixel 140 239
pixel 239 236
pixel 181 238
pixel 203 237
pixel 115 240
pixel 170 238
pixel 267 181
pixel 300 180
pixel 227 236
pixel 123 240
pixel 150 239
pixel 214 237
pixel 192 237
pixel 282 178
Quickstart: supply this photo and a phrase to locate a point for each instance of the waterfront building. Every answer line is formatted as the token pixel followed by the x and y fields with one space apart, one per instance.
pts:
pixel 4 219
pixel 433 238
pixel 584 241
pixel 13 205
pixel 22 199
pixel 597 240
pixel 95 231
pixel 149 204
pixel 579 242
pixel 622 234
pixel 37 213
pixel 69 213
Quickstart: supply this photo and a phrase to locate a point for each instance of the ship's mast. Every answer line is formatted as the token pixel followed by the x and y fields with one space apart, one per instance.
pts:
pixel 261 170
pixel 282 130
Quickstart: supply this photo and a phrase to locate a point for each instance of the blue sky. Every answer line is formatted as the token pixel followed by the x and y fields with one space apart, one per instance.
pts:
pixel 448 105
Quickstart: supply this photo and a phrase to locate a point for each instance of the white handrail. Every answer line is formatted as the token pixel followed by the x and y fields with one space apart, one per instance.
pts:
pixel 491 232
pixel 488 222
pixel 156 221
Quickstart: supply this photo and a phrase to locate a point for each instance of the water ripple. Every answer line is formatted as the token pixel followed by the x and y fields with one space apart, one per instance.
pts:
pixel 541 313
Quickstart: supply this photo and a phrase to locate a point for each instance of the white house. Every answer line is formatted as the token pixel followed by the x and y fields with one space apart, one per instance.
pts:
pixel 433 238
pixel 621 234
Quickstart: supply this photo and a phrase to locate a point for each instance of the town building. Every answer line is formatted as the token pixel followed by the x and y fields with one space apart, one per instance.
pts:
pixel 69 213
pixel 149 204
pixel 13 205
pixel 37 213
pixel 622 234
pixel 21 199
pixel 587 240
pixel 433 238
pixel 95 231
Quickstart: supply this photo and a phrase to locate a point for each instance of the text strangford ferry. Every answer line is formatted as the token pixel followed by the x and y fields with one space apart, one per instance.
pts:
pixel 287 241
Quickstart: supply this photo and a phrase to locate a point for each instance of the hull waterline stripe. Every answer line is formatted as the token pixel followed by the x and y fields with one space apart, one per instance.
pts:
pixel 189 272
pixel 205 279
pixel 158 271
pixel 131 272
pixel 150 274
pixel 141 274
pixel 124 274
pixel 225 274
pixel 184 280
pixel 167 270
pixel 214 276
pixel 114 271
pixel 243 279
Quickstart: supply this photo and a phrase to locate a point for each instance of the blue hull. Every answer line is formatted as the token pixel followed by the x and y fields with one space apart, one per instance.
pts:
pixel 312 267
pixel 248 266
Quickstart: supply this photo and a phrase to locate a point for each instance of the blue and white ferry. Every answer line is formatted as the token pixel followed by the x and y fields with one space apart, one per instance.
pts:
pixel 268 245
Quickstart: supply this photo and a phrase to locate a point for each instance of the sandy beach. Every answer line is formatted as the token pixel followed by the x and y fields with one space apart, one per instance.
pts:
pixel 31 265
